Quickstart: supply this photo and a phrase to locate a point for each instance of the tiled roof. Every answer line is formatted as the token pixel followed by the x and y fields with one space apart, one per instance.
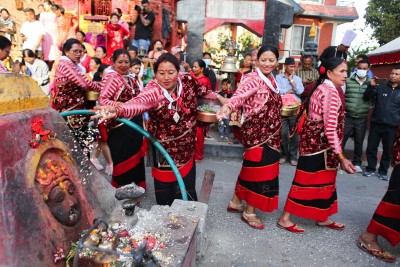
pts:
pixel 342 13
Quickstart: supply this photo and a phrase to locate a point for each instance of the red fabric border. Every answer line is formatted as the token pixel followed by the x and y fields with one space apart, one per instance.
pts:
pixel 311 212
pixel 311 193
pixel 389 58
pixel 315 178
pixel 260 174
pixel 388 210
pixel 130 163
pixel 168 176
pixel 379 229
pixel 261 202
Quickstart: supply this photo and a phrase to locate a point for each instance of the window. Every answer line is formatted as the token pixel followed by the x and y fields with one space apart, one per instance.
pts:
pixel 282 35
pixel 300 35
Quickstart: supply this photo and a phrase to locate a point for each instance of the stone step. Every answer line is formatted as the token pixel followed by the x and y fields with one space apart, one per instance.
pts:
pixel 215 149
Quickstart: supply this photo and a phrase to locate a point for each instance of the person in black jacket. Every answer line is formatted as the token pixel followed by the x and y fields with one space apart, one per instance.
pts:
pixel 384 122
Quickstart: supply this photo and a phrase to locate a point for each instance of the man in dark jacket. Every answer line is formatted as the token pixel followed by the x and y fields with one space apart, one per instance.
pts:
pixel 357 108
pixel 384 122
pixel 144 27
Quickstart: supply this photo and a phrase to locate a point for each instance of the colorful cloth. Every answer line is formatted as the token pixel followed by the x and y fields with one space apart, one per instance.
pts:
pixel 115 38
pixel 177 137
pixel 126 144
pixel 127 153
pixel 258 182
pixel 70 85
pixel 252 94
pixel 313 192
pixel 167 188
pixel 386 219
pixel 261 107
pixel 65 29
pixel 200 129
pixel 172 122
pixel 324 108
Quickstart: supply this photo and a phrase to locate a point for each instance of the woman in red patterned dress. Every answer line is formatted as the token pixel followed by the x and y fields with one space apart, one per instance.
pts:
pixel 386 219
pixel 115 35
pixel 313 191
pixel 126 144
pixel 199 73
pixel 258 96
pixel 171 101
pixel 70 84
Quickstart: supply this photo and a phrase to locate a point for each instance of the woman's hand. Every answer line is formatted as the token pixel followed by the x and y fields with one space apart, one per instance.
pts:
pixel 211 95
pixel 347 166
pixel 104 113
pixel 186 66
pixel 223 113
pixel 222 99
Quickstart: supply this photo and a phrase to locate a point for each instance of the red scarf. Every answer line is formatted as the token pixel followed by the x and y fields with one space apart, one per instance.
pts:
pixel 114 27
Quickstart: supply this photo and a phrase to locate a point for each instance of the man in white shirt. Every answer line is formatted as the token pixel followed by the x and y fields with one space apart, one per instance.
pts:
pixel 32 32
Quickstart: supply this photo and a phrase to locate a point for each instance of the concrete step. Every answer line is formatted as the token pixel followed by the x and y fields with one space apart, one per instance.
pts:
pixel 215 149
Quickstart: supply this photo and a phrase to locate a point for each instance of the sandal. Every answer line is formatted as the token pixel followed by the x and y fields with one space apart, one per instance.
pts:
pixel 235 208
pixel 252 220
pixel 293 163
pixel 282 160
pixel 333 225
pixel 294 228
pixel 380 254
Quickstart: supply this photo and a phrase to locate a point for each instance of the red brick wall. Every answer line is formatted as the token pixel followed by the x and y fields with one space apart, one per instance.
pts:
pixel 325 30
pixel 330 2
pixel 382 71
pixel 325 37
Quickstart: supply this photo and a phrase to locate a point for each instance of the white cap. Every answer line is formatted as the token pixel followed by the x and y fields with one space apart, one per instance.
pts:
pixel 348 38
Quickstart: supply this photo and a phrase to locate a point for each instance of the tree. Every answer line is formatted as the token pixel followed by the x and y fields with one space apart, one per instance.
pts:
pixel 383 17
pixel 353 53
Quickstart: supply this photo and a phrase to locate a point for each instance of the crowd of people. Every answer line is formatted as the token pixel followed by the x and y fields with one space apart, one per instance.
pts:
pixel 155 88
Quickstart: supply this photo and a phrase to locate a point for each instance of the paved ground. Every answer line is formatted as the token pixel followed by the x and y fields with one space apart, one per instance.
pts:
pixel 233 243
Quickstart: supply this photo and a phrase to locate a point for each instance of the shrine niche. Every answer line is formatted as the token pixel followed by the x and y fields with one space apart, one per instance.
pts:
pixel 47 190
pixel 55 183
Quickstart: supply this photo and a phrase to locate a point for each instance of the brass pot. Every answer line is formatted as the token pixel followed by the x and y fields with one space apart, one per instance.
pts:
pixel 205 116
pixel 289 111
pixel 92 95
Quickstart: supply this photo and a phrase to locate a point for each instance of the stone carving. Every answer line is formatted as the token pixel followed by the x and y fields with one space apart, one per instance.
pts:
pixel 58 190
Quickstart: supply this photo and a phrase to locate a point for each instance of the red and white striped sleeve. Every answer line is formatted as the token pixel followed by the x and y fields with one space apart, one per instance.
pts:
pixel 72 72
pixel 110 86
pixel 246 89
pixel 331 102
pixel 149 98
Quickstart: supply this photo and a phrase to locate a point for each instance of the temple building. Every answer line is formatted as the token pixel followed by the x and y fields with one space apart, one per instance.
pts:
pixel 201 25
